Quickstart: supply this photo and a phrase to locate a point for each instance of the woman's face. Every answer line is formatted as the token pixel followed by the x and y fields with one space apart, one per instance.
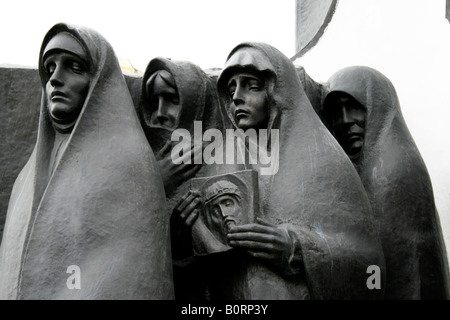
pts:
pixel 249 103
pixel 348 121
pixel 164 100
pixel 65 63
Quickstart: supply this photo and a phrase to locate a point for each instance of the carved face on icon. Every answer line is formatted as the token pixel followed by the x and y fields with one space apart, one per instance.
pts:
pixel 347 118
pixel 164 99
pixel 248 100
pixel 68 77
pixel 223 202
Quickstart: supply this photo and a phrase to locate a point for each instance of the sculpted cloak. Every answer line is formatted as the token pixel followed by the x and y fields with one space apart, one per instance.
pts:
pixel 197 97
pixel 199 101
pixel 100 208
pixel 316 195
pixel 399 188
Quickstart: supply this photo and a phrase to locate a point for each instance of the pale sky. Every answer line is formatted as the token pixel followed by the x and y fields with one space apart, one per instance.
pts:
pixel 407 40
pixel 201 31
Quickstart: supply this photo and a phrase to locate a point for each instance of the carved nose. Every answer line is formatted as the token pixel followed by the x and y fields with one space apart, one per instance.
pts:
pixel 161 114
pixel 346 115
pixel 238 97
pixel 56 78
pixel 224 212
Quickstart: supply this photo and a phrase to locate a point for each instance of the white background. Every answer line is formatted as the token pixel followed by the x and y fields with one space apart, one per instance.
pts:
pixel 407 40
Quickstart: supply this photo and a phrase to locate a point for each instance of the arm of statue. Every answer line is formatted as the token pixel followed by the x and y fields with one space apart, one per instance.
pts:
pixel 183 217
pixel 274 244
pixel 174 174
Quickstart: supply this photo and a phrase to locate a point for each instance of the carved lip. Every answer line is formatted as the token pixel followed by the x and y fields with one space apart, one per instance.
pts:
pixel 355 136
pixel 58 95
pixel 354 144
pixel 240 113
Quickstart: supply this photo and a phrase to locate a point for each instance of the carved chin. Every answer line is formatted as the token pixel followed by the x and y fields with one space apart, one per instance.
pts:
pixel 354 145
pixel 357 145
pixel 245 123
pixel 354 151
pixel 63 127
pixel 63 124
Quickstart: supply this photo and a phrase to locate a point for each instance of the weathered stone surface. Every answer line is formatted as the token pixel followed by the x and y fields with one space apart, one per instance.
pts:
pixel 314 90
pixel 20 93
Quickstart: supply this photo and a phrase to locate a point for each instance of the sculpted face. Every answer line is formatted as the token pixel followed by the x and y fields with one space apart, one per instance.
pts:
pixel 348 121
pixel 66 66
pixel 249 102
pixel 226 212
pixel 164 99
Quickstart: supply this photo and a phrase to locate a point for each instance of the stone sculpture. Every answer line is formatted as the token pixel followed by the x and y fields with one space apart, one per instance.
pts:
pixel 362 110
pixel 228 200
pixel 314 237
pixel 90 199
pixel 175 96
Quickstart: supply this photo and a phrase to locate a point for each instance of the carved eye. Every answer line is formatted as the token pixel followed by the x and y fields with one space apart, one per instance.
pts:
pixel 174 99
pixel 336 113
pixel 217 213
pixel 227 202
pixel 50 68
pixel 77 67
pixel 358 106
pixel 254 85
pixel 231 91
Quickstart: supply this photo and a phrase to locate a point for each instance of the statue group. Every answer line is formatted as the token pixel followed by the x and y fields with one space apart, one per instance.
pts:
pixel 241 185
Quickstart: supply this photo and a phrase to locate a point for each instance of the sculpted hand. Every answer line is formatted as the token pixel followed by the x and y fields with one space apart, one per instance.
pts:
pixel 174 174
pixel 183 217
pixel 186 211
pixel 263 241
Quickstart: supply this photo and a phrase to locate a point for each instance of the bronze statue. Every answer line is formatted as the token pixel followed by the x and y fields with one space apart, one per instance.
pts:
pixel 313 237
pixel 227 200
pixel 175 94
pixel 362 110
pixel 348 123
pixel 90 199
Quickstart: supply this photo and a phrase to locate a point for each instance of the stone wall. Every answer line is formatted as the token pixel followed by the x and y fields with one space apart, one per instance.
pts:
pixel 20 95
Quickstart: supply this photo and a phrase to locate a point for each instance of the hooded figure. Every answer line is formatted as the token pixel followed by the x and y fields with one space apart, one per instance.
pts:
pixel 316 196
pixel 188 94
pixel 197 100
pixel 174 95
pixel 86 218
pixel 397 183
